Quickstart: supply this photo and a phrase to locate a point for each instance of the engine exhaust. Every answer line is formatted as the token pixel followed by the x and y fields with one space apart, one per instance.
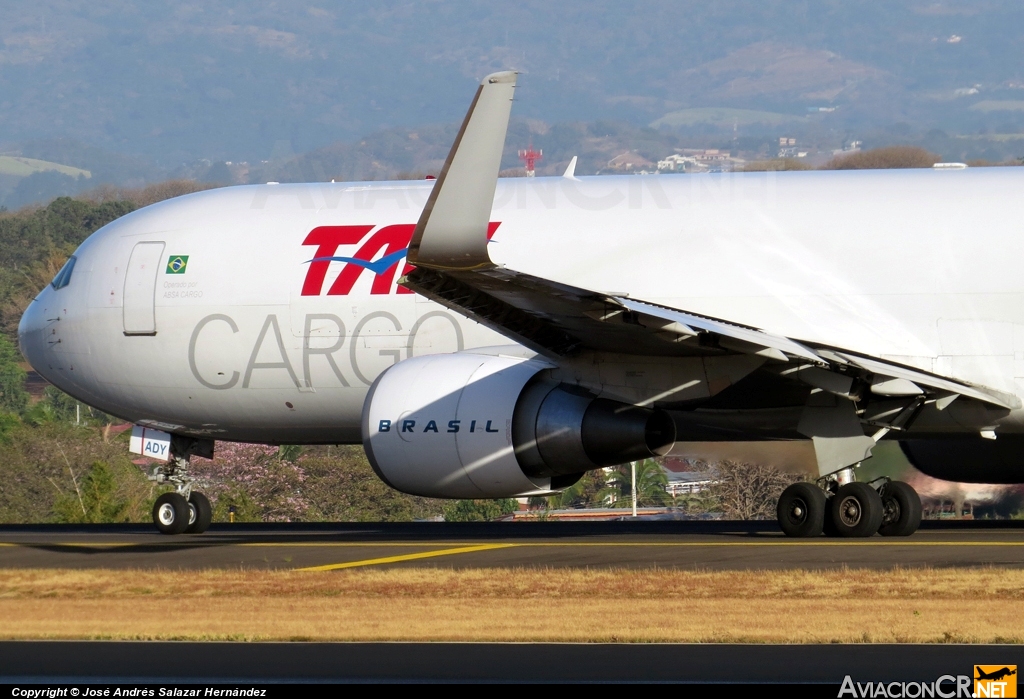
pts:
pixel 559 430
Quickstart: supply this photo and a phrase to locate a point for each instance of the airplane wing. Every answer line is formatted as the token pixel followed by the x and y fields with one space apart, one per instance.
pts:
pixel 453 268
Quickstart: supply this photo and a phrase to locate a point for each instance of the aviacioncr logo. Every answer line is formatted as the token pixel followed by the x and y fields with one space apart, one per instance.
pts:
pixel 379 253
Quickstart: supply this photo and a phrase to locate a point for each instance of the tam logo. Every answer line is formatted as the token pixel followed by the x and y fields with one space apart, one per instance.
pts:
pixel 379 253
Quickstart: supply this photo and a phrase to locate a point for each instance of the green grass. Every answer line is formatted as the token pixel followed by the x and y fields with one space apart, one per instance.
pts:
pixel 23 167
pixel 723 115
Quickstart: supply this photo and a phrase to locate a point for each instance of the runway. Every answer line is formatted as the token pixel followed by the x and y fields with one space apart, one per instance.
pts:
pixel 335 547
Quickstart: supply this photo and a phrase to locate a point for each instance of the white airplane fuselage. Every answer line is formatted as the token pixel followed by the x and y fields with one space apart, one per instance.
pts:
pixel 256 337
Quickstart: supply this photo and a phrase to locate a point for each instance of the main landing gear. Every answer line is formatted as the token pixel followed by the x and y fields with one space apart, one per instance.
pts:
pixel 843 507
pixel 183 511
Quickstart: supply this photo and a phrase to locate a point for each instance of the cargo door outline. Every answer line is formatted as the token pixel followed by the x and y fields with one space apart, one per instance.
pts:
pixel 139 300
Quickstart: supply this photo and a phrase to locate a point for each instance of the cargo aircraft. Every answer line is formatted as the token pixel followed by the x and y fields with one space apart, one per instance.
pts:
pixel 488 338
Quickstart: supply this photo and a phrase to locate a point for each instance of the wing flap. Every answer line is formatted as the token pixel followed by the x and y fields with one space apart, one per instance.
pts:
pixel 922 379
pixel 752 336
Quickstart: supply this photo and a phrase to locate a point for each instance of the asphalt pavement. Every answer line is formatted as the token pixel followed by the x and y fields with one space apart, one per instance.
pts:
pixel 682 545
pixel 174 662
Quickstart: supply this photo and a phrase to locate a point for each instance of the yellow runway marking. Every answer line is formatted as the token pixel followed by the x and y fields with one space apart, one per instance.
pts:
pixel 405 557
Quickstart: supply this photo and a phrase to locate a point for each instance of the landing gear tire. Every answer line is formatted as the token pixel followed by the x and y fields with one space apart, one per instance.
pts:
pixel 901 510
pixel 856 510
pixel 171 513
pixel 200 514
pixel 801 510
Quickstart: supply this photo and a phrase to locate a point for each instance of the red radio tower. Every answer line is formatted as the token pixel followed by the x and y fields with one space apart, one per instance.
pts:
pixel 530 157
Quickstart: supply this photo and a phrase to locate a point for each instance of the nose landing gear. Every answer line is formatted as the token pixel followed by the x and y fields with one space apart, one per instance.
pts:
pixel 200 513
pixel 171 513
pixel 183 511
pixel 174 514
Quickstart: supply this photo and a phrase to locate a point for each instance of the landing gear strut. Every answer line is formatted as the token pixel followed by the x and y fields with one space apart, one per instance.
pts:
pixel 843 507
pixel 184 510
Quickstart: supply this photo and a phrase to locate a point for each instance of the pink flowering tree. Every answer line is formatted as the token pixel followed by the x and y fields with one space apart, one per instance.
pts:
pixel 254 480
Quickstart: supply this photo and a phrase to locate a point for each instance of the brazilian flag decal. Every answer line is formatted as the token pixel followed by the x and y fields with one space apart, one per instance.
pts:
pixel 177 264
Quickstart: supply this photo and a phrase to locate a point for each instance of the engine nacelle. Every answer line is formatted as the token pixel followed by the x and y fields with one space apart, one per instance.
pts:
pixel 969 459
pixel 471 425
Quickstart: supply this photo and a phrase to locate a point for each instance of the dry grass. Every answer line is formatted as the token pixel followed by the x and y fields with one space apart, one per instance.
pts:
pixel 883 158
pixel 917 605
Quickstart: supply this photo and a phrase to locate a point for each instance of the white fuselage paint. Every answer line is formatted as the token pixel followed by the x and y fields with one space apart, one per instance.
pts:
pixel 916 266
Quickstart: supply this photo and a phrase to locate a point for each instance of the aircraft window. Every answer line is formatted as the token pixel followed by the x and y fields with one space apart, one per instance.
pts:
pixel 64 275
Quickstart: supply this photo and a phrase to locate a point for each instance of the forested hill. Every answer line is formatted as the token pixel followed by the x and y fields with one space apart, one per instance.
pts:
pixel 236 80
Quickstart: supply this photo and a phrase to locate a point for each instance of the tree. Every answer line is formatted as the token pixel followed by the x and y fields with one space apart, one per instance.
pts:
pixel 586 492
pixel 775 164
pixel 8 423
pixel 651 483
pixel 57 406
pixel 13 396
pixel 479 510
pixel 41 466
pixel 289 452
pixel 96 498
pixel 234 500
pixel 748 491
pixel 701 502
pixel 340 486
pixel 253 473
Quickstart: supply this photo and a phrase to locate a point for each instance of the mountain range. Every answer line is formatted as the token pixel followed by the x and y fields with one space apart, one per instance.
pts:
pixel 148 88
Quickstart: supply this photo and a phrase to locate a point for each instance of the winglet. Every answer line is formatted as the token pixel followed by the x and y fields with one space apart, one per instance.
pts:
pixel 452 230
pixel 570 171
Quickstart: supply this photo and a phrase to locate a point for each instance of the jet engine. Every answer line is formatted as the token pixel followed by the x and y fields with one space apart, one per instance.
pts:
pixel 969 459
pixel 470 425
